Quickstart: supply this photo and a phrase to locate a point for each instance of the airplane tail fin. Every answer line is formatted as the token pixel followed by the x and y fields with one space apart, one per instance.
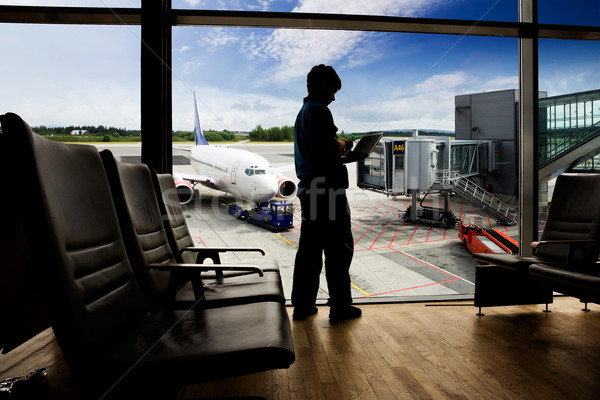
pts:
pixel 200 139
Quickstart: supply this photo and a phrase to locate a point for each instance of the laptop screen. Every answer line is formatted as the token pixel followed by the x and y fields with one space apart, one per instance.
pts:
pixel 367 143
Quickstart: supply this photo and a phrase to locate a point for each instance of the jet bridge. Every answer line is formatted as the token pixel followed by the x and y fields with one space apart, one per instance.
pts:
pixel 411 166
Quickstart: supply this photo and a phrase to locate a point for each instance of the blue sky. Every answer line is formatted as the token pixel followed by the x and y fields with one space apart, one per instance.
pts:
pixel 73 75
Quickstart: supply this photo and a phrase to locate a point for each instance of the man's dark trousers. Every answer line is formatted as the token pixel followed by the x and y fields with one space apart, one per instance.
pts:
pixel 325 229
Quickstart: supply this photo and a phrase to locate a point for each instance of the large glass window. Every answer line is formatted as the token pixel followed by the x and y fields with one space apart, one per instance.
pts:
pixel 85 79
pixel 569 132
pixel 575 12
pixel 247 78
pixel 244 78
pixel 497 10
pixel 75 3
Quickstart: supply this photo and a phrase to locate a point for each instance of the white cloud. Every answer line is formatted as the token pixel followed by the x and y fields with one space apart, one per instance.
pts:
pixel 218 37
pixel 232 110
pixel 295 51
pixel 190 67
pixel 501 83
pixel 403 8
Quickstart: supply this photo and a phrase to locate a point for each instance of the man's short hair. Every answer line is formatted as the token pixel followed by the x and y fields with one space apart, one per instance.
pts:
pixel 323 77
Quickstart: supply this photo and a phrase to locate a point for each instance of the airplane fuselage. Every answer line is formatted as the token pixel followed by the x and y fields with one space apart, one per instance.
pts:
pixel 242 173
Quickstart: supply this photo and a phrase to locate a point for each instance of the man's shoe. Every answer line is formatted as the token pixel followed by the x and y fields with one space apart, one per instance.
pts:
pixel 344 313
pixel 302 313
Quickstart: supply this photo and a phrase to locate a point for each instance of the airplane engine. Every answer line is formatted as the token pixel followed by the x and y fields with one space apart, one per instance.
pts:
pixel 286 188
pixel 185 191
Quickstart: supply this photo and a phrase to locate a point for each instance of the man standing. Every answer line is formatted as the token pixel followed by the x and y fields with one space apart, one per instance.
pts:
pixel 322 193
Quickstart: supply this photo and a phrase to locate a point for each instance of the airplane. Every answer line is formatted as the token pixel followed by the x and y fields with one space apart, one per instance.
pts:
pixel 244 174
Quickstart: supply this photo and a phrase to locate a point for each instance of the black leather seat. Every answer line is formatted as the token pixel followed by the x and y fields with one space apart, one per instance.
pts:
pixel 146 241
pixel 571 235
pixel 582 283
pixel 112 341
pixel 180 238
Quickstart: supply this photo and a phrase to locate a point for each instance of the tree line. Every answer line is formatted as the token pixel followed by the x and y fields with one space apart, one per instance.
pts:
pixel 258 134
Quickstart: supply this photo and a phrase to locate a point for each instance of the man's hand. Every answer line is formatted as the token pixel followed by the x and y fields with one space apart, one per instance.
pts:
pixel 344 146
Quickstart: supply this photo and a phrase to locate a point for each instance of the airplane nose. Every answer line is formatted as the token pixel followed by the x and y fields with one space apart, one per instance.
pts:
pixel 264 190
pixel 261 196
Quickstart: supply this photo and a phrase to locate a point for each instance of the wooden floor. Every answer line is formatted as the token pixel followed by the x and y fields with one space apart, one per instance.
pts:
pixel 409 351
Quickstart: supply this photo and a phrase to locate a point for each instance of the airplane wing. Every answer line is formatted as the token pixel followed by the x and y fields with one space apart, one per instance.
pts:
pixel 182 148
pixel 285 168
pixel 203 180
pixel 237 143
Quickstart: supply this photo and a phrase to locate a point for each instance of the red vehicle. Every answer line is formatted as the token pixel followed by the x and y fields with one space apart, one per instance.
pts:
pixel 482 240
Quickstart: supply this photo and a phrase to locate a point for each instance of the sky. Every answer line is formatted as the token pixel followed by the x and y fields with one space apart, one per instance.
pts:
pixel 243 77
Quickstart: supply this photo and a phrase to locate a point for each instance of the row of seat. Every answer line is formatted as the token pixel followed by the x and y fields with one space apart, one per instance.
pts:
pixel 130 309
pixel 565 260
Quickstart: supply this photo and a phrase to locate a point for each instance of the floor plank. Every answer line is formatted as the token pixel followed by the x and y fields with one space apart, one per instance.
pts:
pixel 405 351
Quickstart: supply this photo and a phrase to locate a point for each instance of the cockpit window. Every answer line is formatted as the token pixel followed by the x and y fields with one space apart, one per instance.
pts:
pixel 256 171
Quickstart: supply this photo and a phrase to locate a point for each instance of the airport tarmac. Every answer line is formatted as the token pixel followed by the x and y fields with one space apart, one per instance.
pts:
pixel 393 260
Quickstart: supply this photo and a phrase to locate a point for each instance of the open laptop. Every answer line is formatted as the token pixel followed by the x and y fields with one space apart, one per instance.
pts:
pixel 362 149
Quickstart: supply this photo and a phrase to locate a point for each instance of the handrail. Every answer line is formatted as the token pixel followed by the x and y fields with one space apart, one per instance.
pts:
pixel 569 140
pixel 475 193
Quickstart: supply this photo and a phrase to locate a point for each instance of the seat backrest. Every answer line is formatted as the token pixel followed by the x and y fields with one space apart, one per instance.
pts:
pixel 75 244
pixel 179 236
pixel 574 213
pixel 141 224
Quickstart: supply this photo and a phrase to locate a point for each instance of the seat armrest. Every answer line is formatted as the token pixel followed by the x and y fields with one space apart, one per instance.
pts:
pixel 574 245
pixel 535 245
pixel 222 249
pixel 190 268
pixel 202 253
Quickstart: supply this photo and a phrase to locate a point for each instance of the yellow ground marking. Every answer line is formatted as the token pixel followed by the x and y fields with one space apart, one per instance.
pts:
pixel 285 240
pixel 359 289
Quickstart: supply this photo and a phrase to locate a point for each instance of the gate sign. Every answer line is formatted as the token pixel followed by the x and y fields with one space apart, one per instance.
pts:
pixel 399 146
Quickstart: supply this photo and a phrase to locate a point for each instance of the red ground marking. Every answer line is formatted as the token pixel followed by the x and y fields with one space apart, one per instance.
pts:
pixel 367 206
pixel 361 222
pixel 384 229
pixel 201 241
pixel 372 225
pixel 428 233
pixel 419 286
pixel 413 234
pixel 396 234
pixel 408 288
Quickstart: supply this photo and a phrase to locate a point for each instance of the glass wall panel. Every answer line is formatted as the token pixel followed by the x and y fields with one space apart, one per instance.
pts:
pixel 574 12
pixel 569 133
pixel 75 3
pixel 498 10
pixel 249 80
pixel 81 81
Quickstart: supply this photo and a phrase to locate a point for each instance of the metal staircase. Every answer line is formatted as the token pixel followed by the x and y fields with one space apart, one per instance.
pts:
pixel 462 186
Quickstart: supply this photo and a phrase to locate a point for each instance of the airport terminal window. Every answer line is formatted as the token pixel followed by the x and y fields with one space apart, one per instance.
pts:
pixel 206 60
pixel 581 12
pixel 67 82
pixel 571 112
pixel 79 3
pixel 456 67
pixel 487 10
